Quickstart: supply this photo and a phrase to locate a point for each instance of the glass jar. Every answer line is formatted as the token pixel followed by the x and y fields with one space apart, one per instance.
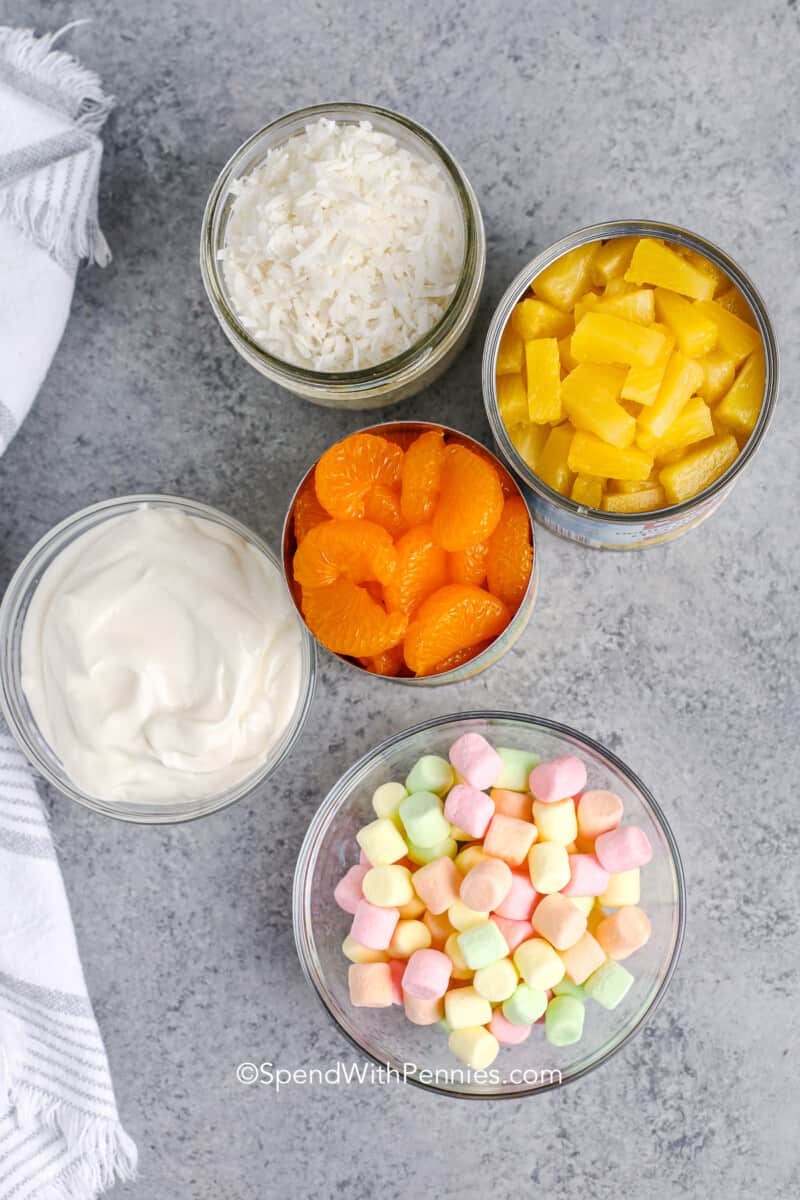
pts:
pixel 420 364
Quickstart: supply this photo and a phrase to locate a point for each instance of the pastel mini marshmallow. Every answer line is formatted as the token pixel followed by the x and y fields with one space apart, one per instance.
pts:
pixel 486 885
pixel 462 917
pixel 431 773
pixel 437 884
pixel 520 901
pixel 469 809
pixel 413 909
pixel 509 838
pixel 453 951
pixel 360 954
pixel 623 849
pixel 525 1005
pixel 506 1033
pixel 409 936
pixel 481 945
pixel 514 932
pixel 548 866
pixel 556 821
pixel 623 932
pixel 373 926
pixel 465 1007
pixel 423 819
pixel 598 812
pixel 423 1012
pixel 586 876
pixel 609 984
pixel 558 920
pixel 539 964
pixel 370 985
pixel 512 804
pixel 420 856
pixel 623 889
pixel 388 886
pixel 497 981
pixel 439 926
pixel 584 903
pixel 582 958
pixel 468 856
pixel 476 1047
pixel 557 779
pixel 427 974
pixel 382 842
pixel 516 768
pixel 387 798
pixel 396 968
pixel 563 1022
pixel 347 892
pixel 476 761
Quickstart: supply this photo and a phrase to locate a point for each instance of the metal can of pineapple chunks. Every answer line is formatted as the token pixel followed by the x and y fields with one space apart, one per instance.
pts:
pixel 626 531
pixel 404 432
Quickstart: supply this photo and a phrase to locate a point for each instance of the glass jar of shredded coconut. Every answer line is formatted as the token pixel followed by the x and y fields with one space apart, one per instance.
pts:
pixel 343 253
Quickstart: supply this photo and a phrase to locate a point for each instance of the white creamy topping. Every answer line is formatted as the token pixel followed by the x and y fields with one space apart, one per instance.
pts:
pixel 161 657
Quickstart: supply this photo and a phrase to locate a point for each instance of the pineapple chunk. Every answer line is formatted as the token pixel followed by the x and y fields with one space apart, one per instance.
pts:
pixel 699 468
pixel 655 263
pixel 529 440
pixel 695 333
pixel 709 268
pixel 589 396
pixel 739 409
pixel 567 278
pixel 510 353
pixel 735 302
pixel 734 336
pixel 636 305
pixel 642 383
pixel 543 369
pixel 681 378
pixel 588 490
pixel 535 319
pixel 718 373
pixel 512 399
pixel 587 303
pixel 565 353
pixel 589 456
pixel 602 338
pixel 645 500
pixel 553 465
pixel 693 424
pixel 618 287
pixel 612 259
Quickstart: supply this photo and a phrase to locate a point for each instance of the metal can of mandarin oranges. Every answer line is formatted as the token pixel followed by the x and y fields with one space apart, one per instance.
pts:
pixel 404 432
pixel 626 531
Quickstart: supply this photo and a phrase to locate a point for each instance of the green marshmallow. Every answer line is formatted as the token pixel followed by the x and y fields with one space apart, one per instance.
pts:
pixel 517 766
pixel 427 854
pixel 567 988
pixel 563 1022
pixel 608 984
pixel 423 819
pixel 431 774
pixel 482 945
pixel 525 1005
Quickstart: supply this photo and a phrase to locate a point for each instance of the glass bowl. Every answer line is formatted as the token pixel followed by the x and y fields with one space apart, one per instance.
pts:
pixel 420 1054
pixel 421 363
pixel 14 705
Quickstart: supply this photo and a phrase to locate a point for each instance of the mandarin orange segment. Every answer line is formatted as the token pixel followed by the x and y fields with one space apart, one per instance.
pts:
pixel 459 658
pixel 506 482
pixel 422 469
pixel 469 566
pixel 470 501
pixel 308 511
pixel 510 558
pixel 388 663
pixel 382 505
pixel 421 569
pixel 353 550
pixel 454 617
pixel 350 469
pixel 347 620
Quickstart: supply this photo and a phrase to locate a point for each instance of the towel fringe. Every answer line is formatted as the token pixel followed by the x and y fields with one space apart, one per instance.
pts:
pixel 57 69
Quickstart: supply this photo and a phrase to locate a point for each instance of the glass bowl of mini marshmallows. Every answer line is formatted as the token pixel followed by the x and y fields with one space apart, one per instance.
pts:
pixel 343 254
pixel 523 1026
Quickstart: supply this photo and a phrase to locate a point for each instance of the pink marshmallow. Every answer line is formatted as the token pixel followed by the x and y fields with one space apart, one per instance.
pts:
pixel 557 779
pixel 469 809
pixel 437 884
pixel 515 932
pixel 363 860
pixel 397 967
pixel 373 926
pixel 587 877
pixel 506 1033
pixel 427 974
pixel 347 892
pixel 521 899
pixel 623 849
pixel 476 761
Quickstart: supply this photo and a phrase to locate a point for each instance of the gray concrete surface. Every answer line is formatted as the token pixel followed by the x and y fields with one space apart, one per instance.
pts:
pixel 684 658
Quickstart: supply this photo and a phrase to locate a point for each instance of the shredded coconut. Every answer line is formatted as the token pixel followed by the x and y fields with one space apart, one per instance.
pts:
pixel 342 248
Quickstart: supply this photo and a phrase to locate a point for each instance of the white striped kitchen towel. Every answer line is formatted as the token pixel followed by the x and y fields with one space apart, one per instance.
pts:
pixel 51 110
pixel 60 1134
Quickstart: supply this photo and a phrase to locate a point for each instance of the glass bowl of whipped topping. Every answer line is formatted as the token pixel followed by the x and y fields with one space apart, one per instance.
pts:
pixel 152 665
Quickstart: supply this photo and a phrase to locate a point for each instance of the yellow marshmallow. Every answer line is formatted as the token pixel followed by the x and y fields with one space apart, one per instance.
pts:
pixel 362 954
pixel 453 952
pixel 409 936
pixel 497 981
pixel 476 1047
pixel 382 842
pixel 622 889
pixel 414 908
pixel 556 822
pixel 465 1006
pixel 467 858
pixel 387 799
pixel 584 903
pixel 388 886
pixel 548 863
pixel 539 964
pixel 462 917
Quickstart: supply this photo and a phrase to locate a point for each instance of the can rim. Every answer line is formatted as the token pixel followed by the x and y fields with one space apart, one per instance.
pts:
pixel 608 230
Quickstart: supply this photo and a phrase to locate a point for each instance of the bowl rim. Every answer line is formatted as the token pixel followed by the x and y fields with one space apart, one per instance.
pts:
pixel 17 596
pixel 331 805
pixel 433 342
